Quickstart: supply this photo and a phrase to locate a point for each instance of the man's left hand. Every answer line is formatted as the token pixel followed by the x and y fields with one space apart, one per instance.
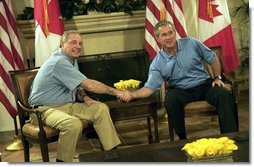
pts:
pixel 218 82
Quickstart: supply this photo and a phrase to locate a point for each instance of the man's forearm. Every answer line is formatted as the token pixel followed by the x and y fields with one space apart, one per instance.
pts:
pixel 97 87
pixel 141 93
pixel 216 67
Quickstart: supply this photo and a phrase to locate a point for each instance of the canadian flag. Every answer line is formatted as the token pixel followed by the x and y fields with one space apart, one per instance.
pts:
pixel 48 29
pixel 215 30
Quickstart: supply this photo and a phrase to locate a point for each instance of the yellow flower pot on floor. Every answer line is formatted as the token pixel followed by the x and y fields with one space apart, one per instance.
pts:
pixel 210 150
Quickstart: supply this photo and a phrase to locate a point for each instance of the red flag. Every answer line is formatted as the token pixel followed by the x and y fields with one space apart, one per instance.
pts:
pixel 157 10
pixel 10 54
pixel 48 28
pixel 215 30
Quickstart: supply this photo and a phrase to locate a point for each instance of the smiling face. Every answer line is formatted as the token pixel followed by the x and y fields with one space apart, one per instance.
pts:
pixel 72 45
pixel 167 36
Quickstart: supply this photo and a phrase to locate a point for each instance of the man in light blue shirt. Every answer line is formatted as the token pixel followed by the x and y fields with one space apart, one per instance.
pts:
pixel 54 90
pixel 180 64
pixel 182 69
pixel 57 71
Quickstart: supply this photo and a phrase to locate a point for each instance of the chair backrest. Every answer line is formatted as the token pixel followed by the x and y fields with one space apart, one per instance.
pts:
pixel 22 81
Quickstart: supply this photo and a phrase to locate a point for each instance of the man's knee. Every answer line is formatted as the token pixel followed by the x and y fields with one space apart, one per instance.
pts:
pixel 170 97
pixel 103 109
pixel 73 124
pixel 173 101
pixel 102 112
pixel 221 91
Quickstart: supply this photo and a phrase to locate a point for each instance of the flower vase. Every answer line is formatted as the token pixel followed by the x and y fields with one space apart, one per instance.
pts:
pixel 215 158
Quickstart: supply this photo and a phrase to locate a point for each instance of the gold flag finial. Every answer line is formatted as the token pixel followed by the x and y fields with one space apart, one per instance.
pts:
pixel 45 3
pixel 209 9
pixel 162 11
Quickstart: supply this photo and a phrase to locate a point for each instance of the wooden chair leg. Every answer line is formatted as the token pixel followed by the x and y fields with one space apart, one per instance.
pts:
pixel 44 152
pixel 26 151
pixel 155 122
pixel 171 131
pixel 236 114
pixel 150 136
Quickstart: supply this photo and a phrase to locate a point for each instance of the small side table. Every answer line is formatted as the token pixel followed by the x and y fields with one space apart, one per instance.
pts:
pixel 139 108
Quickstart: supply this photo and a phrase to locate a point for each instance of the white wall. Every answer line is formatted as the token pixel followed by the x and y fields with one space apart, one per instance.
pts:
pixel 6 121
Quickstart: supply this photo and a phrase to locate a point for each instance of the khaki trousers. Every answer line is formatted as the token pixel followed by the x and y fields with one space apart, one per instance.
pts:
pixel 71 118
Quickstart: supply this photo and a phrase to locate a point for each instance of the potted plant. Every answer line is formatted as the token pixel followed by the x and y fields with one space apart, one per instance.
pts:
pixel 242 14
pixel 82 7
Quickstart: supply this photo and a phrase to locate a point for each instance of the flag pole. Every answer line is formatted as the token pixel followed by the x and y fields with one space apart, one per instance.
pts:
pixel 17 143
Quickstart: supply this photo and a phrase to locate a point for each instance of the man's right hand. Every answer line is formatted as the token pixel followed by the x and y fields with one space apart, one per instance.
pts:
pixel 123 95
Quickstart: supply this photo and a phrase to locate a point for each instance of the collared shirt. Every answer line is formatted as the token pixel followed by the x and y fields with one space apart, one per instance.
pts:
pixel 183 70
pixel 56 81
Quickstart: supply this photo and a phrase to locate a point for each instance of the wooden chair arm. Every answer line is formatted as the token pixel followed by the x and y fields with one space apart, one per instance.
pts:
pixel 233 85
pixel 36 112
pixel 26 109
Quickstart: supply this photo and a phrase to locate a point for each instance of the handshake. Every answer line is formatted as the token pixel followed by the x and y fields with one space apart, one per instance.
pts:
pixel 123 87
pixel 124 95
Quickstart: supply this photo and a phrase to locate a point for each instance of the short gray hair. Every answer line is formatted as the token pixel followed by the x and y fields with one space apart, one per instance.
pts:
pixel 160 24
pixel 65 35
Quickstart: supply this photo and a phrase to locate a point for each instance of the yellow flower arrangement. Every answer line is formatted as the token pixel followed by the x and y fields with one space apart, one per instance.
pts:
pixel 127 84
pixel 206 147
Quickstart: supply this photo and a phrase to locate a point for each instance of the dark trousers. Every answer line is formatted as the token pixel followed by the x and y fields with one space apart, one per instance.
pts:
pixel 220 97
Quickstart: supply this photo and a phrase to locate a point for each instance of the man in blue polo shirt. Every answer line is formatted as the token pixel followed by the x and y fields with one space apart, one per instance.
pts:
pixel 180 64
pixel 54 90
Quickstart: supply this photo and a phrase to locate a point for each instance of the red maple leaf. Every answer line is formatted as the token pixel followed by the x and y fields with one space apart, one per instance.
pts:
pixel 55 24
pixel 204 13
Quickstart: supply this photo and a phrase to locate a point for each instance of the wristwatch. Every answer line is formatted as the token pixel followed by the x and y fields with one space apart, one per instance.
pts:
pixel 217 77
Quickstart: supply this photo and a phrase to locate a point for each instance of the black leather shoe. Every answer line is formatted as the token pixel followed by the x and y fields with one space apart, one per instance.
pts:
pixel 58 160
pixel 114 148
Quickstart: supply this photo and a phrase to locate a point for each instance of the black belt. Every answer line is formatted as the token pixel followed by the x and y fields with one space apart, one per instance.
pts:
pixel 35 106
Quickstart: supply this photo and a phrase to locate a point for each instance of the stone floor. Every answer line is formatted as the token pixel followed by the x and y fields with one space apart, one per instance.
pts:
pixel 132 133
